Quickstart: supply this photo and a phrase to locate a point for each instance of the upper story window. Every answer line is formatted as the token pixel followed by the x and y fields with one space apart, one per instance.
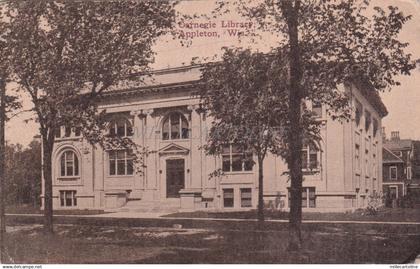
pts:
pixel 57 132
pixel 69 164
pixel 358 112
pixel 175 126
pixel 68 132
pixel 393 173
pixel 120 127
pixel 375 127
pixel 120 163
pixel 357 157
pixel 310 160
pixel 409 173
pixel 368 120
pixel 234 160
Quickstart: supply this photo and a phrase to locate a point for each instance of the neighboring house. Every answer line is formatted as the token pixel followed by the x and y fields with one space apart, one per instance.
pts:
pixel 165 115
pixel 401 166
pixel 394 175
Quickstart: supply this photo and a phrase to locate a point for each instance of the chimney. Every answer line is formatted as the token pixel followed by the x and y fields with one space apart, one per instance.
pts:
pixel 395 135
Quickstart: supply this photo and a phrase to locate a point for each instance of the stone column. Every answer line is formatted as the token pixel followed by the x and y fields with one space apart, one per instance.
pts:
pixel 138 140
pixel 151 158
pixel 195 150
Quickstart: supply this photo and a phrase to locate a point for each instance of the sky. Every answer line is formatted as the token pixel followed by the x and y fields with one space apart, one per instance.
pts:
pixel 402 102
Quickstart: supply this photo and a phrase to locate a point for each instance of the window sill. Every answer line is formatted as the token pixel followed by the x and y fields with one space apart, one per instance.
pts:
pixel 61 139
pixel 311 171
pixel 175 140
pixel 238 173
pixel 120 176
pixel 308 171
pixel 68 178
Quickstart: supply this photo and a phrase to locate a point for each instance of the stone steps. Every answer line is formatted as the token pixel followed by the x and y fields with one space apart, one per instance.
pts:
pixel 168 206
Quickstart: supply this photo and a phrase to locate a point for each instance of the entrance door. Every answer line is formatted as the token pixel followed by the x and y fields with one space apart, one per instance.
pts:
pixel 175 177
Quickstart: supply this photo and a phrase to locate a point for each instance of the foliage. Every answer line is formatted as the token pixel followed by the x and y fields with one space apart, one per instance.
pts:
pixel 328 43
pixel 375 203
pixel 245 94
pixel 66 54
pixel 23 174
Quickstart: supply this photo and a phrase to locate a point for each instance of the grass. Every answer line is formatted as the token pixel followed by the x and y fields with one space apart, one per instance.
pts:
pixel 74 243
pixel 29 209
pixel 384 214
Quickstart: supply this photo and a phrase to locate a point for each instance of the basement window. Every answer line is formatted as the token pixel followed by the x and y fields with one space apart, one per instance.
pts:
pixel 227 197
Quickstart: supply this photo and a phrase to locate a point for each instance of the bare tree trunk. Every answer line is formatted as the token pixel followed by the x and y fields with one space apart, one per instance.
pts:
pixel 291 9
pixel 260 190
pixel 47 147
pixel 2 169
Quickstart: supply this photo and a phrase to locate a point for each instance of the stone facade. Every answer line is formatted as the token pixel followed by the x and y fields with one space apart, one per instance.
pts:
pixel 164 115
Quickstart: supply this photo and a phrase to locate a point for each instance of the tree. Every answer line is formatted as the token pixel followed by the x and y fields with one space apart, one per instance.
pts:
pixel 244 94
pixel 329 43
pixel 65 54
pixel 23 170
pixel 7 104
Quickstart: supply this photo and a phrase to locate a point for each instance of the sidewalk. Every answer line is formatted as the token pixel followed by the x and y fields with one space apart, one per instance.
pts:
pixel 161 216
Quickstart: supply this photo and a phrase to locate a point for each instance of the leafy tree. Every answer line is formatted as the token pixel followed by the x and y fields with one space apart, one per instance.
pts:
pixel 65 54
pixel 23 170
pixel 8 104
pixel 246 97
pixel 328 43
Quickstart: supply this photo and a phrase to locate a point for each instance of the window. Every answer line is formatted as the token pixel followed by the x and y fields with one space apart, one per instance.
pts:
pixel 78 131
pixel 121 128
pixel 69 164
pixel 68 198
pixel 374 162
pixel 246 197
pixel 309 157
pixel 393 192
pixel 120 163
pixel 357 157
pixel 57 132
pixel 374 172
pixel 233 159
pixel 375 127
pixel 67 131
pixel 358 112
pixel 227 197
pixel 368 120
pixel 317 109
pixel 175 126
pixel 409 173
pixel 367 165
pixel 308 197
pixel 393 173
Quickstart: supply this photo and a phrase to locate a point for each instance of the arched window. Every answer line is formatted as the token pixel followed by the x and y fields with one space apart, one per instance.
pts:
pixel 69 164
pixel 175 126
pixel 120 127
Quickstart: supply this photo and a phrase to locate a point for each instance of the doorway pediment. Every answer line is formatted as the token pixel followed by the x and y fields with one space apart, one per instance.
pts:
pixel 173 149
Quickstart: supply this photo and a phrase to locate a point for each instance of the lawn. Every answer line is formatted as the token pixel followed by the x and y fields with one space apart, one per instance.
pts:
pixel 384 214
pixel 75 243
